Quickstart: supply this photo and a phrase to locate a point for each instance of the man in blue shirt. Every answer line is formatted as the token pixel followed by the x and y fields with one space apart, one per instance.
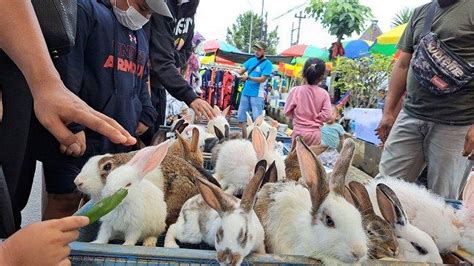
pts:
pixel 257 70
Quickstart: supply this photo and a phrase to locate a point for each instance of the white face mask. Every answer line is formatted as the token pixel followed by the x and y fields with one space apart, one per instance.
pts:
pixel 130 18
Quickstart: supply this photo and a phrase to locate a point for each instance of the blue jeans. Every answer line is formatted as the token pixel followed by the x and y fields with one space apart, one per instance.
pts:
pixel 250 104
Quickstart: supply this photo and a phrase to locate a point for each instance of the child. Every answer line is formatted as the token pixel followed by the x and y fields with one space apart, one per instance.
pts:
pixel 332 136
pixel 308 106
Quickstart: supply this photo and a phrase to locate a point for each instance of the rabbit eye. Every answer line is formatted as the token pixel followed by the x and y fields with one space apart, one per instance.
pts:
pixel 418 248
pixel 107 167
pixel 328 221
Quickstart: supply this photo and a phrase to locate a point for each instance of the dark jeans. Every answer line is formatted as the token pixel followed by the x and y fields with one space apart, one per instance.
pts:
pixel 7 225
pixel 16 153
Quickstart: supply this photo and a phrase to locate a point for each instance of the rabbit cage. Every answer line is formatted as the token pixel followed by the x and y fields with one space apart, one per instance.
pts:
pixel 83 253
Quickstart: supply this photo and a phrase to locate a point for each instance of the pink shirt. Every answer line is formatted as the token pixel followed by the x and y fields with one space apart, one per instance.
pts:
pixel 309 106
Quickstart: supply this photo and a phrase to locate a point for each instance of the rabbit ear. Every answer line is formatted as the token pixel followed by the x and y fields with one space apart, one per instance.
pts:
pixel 149 158
pixel 259 120
pixel 219 133
pixel 226 131
pixel 390 206
pixel 250 191
pixel 261 163
pixel 249 119
pixel 341 167
pixel 158 138
pixel 361 197
pixel 183 142
pixel 259 143
pixel 318 149
pixel 349 196
pixel 182 127
pixel 178 124
pixel 271 175
pixel 293 145
pixel 244 132
pixel 195 140
pixel 226 111
pixel 313 173
pixel 215 197
pixel 468 193
pixel 271 139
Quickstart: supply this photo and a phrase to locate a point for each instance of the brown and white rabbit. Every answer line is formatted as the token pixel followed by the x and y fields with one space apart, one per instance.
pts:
pixel 221 221
pixel 292 167
pixel 414 244
pixel 141 215
pixel 382 239
pixel 312 217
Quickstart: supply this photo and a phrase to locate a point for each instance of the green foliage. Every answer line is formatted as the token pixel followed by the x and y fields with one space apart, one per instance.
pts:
pixel 239 33
pixel 402 17
pixel 363 77
pixel 340 17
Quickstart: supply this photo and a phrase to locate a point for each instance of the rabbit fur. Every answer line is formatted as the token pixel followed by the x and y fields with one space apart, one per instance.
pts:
pixel 312 217
pixel 422 207
pixel 222 221
pixel 415 245
pixel 141 215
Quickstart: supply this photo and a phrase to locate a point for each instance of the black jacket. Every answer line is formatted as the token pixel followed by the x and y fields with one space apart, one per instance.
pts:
pixel 164 56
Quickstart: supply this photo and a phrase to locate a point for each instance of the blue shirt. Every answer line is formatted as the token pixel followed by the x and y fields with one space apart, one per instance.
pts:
pixel 252 88
pixel 331 135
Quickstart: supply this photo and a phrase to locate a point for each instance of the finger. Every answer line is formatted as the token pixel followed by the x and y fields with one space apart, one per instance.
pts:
pixel 60 132
pixel 70 223
pixel 65 262
pixel 62 148
pixel 64 253
pixel 70 236
pixel 209 113
pixel 74 150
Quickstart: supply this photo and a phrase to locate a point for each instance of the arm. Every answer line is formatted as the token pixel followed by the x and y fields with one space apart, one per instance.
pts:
pixel 266 72
pixel 469 144
pixel 21 39
pixel 258 79
pixel 290 104
pixel 326 110
pixel 149 114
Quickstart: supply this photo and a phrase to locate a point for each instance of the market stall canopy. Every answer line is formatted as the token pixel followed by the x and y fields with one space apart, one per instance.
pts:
pixel 386 43
pixel 356 49
pixel 213 59
pixel 240 58
pixel 214 45
pixel 306 51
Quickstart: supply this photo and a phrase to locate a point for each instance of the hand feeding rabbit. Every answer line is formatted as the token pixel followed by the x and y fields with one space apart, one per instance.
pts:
pixel 312 217
pixel 141 215
pixel 219 121
pixel 222 221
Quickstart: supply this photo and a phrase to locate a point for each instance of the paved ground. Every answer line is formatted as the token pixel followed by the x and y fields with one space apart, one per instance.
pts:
pixel 32 212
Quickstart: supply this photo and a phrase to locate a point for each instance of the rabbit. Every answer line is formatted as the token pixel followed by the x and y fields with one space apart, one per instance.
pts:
pixel 382 239
pixel 93 175
pixel 422 208
pixel 221 138
pixel 221 221
pixel 219 121
pixel 269 152
pixel 188 150
pixel 188 134
pixel 312 217
pixel 466 216
pixel 292 167
pixel 414 244
pixel 261 123
pixel 141 215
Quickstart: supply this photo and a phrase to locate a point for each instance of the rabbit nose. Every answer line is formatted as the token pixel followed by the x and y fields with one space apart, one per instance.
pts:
pixel 358 251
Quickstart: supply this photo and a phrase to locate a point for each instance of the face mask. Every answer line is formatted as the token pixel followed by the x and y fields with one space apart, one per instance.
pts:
pixel 130 18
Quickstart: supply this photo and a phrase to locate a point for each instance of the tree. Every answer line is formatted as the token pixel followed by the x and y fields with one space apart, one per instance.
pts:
pixel 364 77
pixel 239 33
pixel 340 17
pixel 402 17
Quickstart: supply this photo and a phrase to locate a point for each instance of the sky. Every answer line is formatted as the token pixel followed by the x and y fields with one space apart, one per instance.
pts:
pixel 215 16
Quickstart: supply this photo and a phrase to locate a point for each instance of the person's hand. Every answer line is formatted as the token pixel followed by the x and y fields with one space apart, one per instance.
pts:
pixel 244 77
pixel 72 150
pixel 202 108
pixel 44 243
pixel 141 128
pixel 55 106
pixel 384 127
pixel 469 144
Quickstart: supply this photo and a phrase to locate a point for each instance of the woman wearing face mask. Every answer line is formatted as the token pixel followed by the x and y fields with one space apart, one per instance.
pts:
pixel 108 69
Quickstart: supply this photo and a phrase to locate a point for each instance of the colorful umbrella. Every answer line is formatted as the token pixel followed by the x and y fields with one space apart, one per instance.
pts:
pixel 306 51
pixel 356 49
pixel 212 46
pixel 386 43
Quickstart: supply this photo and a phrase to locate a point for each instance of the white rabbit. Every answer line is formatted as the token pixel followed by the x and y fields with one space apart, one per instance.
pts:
pixel 221 221
pixel 260 123
pixel 422 208
pixel 414 244
pixel 313 218
pixel 142 214
pixel 466 216
pixel 219 121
